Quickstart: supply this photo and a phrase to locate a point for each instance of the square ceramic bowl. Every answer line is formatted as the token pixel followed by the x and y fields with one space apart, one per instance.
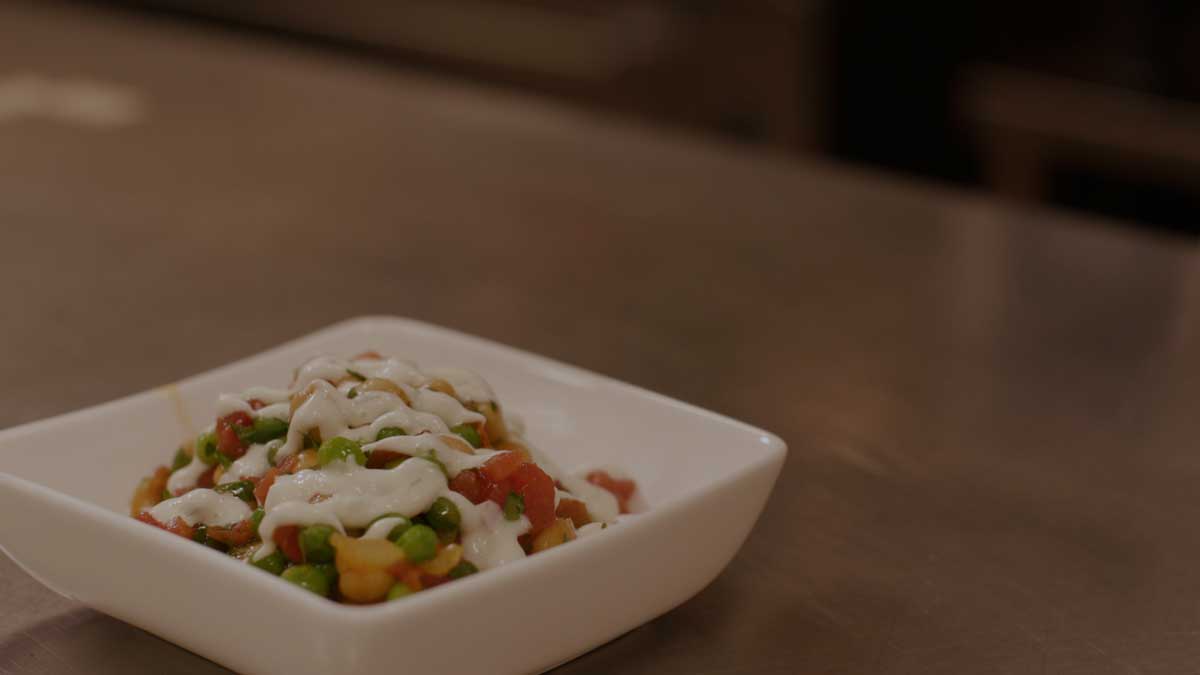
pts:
pixel 704 477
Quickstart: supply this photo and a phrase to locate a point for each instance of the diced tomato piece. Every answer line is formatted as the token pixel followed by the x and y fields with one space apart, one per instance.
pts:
pixel 180 527
pixel 148 519
pixel 287 538
pixel 537 489
pixel 502 466
pixel 498 492
pixel 228 443
pixel 431 580
pixel 620 488
pixel 574 510
pixel 470 484
pixel 380 458
pixel 177 526
pixel 257 404
pixel 238 534
pixel 206 479
pixel 264 486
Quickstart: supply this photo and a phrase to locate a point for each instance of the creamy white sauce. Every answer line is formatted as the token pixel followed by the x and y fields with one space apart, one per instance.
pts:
pixel 331 410
pixel 345 495
pixel 489 540
pixel 601 504
pixel 253 463
pixel 278 411
pixel 202 506
pixel 185 478
pixel 468 385
pixel 396 370
pixel 430 445
pixel 268 395
pixel 227 404
pixel 381 528
pixel 321 368
pixel 355 496
pixel 444 406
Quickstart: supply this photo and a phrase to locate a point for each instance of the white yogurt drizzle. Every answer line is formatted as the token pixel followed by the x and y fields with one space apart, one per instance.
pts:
pixel 346 495
pixel 253 463
pixel 202 506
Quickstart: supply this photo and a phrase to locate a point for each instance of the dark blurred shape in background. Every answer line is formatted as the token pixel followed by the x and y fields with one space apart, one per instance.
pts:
pixel 1091 107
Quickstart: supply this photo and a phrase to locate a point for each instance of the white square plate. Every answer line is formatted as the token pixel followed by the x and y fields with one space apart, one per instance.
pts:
pixel 66 484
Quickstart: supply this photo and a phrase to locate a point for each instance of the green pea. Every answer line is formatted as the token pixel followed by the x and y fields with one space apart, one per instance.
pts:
pixel 263 430
pixel 443 515
pixel 514 506
pixel 388 432
pixel 398 531
pixel 330 571
pixel 242 489
pixel 314 542
pixel 181 460
pixel 206 448
pixel 339 448
pixel 469 434
pixel 273 563
pixel 256 519
pixel 462 569
pixel 398 591
pixel 419 543
pixel 308 577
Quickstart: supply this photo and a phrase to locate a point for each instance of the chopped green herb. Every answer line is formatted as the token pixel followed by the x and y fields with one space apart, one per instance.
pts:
pixel 514 506
pixel 206 448
pixel 182 459
pixel 242 489
pixel 256 519
pixel 263 430
pixel 356 375
pixel 166 494
pixel 462 569
pixel 353 393
pixel 388 432
pixel 469 434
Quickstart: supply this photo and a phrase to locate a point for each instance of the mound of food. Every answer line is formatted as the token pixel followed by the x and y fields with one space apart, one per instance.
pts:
pixel 370 479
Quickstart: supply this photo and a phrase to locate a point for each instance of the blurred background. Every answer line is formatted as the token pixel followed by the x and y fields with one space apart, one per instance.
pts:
pixel 1090 107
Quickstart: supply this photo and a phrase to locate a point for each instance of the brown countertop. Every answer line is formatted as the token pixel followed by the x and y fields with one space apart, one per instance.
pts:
pixel 991 410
